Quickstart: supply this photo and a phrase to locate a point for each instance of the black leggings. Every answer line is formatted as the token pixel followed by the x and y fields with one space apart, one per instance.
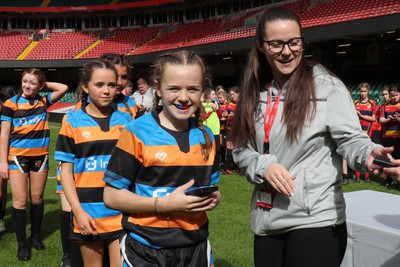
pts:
pixel 312 247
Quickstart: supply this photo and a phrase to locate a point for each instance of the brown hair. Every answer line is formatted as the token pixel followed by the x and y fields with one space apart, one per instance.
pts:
pixel 87 73
pixel 121 60
pixel 300 90
pixel 184 58
pixel 222 92
pixel 39 74
pixel 207 94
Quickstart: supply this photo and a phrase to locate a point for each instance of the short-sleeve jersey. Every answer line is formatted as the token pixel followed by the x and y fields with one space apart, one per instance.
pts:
pixel 149 162
pixel 366 108
pixel 128 107
pixel 126 104
pixel 212 121
pixel 231 107
pixel 391 129
pixel 222 122
pixel 83 143
pixel 30 134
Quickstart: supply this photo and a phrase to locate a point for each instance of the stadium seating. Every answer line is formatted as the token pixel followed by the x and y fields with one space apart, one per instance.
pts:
pixel 62 45
pixel 67 45
pixel 12 44
pixel 209 31
pixel 346 10
pixel 374 94
pixel 67 100
pixel 122 42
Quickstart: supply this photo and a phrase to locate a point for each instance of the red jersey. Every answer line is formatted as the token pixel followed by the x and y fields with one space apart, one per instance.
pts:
pixel 366 108
pixel 392 129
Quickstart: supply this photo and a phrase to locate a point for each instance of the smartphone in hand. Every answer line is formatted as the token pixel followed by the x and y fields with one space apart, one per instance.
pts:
pixel 383 162
pixel 201 191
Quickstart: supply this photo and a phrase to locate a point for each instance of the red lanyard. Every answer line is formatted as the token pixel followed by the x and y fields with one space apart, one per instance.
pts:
pixel 270 114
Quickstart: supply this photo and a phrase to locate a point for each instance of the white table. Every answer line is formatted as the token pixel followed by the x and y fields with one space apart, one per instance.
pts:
pixel 373 225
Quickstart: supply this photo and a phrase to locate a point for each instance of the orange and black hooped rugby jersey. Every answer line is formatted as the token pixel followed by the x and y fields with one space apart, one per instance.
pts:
pixel 128 107
pixel 129 102
pixel 222 121
pixel 231 107
pixel 83 143
pixel 366 108
pixel 30 134
pixel 148 161
pixel 391 129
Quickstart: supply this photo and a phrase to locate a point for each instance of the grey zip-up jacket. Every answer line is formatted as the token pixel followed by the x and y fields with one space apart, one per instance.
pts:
pixel 315 161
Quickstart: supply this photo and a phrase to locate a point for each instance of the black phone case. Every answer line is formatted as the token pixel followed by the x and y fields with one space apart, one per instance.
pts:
pixel 202 191
pixel 383 162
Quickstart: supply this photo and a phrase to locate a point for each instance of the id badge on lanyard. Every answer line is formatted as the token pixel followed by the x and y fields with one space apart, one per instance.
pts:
pixel 265 197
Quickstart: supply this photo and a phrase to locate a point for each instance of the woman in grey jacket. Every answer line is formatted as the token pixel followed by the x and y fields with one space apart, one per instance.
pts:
pixel 290 136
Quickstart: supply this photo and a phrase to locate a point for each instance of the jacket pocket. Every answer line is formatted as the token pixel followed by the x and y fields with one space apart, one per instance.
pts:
pixel 304 189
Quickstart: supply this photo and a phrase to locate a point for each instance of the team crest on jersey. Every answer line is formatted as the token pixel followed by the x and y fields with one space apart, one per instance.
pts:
pixel 161 156
pixel 38 163
pixel 86 134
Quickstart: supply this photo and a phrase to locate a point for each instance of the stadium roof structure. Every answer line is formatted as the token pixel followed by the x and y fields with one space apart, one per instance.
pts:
pixel 61 6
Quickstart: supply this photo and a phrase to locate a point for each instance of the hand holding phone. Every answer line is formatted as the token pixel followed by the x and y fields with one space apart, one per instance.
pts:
pixel 202 191
pixel 383 162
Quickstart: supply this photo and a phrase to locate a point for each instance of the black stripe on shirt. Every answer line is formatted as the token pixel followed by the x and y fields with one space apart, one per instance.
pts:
pixel 95 148
pixel 90 194
pixel 32 135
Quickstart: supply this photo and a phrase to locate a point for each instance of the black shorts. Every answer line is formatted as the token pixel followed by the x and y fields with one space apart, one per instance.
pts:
pixel 137 254
pixel 18 164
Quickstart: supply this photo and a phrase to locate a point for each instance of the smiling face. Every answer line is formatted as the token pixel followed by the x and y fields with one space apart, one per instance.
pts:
pixel 101 89
pixel 30 85
pixel 180 90
pixel 284 63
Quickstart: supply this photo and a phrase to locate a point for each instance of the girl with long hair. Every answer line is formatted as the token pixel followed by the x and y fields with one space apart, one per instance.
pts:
pixel 84 146
pixel 24 148
pixel 294 123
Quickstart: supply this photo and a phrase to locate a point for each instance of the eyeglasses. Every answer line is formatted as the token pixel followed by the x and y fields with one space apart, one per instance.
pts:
pixel 276 46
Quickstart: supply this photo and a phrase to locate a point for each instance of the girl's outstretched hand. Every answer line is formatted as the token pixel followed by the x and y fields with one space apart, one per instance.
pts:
pixel 179 201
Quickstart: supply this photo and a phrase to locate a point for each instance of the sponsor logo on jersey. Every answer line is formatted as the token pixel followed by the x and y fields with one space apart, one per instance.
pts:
pixel 86 134
pixel 161 156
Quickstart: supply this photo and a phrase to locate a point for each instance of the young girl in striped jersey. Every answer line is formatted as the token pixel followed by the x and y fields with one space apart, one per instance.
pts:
pixel 157 158
pixel 390 119
pixel 24 149
pixel 87 138
pixel 366 108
